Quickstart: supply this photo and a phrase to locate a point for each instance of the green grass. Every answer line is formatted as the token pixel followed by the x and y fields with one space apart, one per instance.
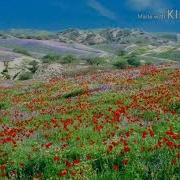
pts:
pixel 173 54
pixel 21 51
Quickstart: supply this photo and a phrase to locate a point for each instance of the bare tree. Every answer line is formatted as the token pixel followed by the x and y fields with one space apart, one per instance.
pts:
pixel 5 59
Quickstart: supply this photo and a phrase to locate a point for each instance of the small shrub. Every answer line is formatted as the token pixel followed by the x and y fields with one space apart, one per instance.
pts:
pixel 30 170
pixel 68 59
pixel 34 66
pixel 121 52
pixel 25 76
pixel 133 61
pixel 95 61
pixel 73 155
pixel 121 64
pixel 175 107
pixel 51 58
pixel 98 165
pixel 3 106
pixel 148 63
pixel 21 51
pixel 149 115
pixel 5 70
pixel 102 165
pixel 74 93
pixel 5 74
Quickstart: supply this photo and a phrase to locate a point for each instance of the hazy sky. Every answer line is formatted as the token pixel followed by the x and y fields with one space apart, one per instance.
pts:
pixel 61 14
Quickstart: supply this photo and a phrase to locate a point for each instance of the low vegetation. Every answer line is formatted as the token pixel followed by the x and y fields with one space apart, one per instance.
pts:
pixel 121 63
pixel 133 60
pixel 55 58
pixel 69 59
pixel 96 61
pixel 25 76
pixel 31 34
pixel 124 61
pixel 33 66
pixel 51 58
pixel 5 73
pixel 172 54
pixel 21 51
pixel 74 93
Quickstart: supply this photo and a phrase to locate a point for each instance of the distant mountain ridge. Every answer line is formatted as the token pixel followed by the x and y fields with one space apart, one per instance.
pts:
pixel 94 36
pixel 112 35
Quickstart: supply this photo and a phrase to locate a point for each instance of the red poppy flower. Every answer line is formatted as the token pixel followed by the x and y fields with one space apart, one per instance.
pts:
pixel 165 139
pixel 76 162
pixel 144 134
pixel 126 149
pixel 128 134
pixel 48 145
pixel 68 164
pixel 125 161
pixel 110 148
pixel 63 173
pixel 151 132
pixel 176 136
pixel 116 168
pixel 99 128
pixel 170 144
pixel 56 158
pixel 170 133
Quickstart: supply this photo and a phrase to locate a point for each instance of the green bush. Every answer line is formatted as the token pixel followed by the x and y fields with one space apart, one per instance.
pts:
pixel 21 51
pixel 133 61
pixel 68 59
pixel 3 106
pixel 74 93
pixel 5 74
pixel 34 66
pixel 120 52
pixel 5 70
pixel 173 54
pixel 148 63
pixel 25 76
pixel 30 169
pixel 175 107
pixel 95 61
pixel 149 115
pixel 121 64
pixel 51 58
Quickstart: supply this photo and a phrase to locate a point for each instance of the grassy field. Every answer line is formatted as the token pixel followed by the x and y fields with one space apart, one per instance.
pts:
pixel 49 46
pixel 173 54
pixel 118 124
